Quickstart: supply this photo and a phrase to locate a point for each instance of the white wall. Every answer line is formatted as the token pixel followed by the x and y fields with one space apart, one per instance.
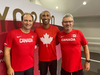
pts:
pixel 27 6
pixel 90 26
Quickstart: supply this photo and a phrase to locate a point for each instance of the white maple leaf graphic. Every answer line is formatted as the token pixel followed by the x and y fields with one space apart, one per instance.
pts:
pixel 46 40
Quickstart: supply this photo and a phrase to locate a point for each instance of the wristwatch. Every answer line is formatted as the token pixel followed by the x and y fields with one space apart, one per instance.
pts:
pixel 88 61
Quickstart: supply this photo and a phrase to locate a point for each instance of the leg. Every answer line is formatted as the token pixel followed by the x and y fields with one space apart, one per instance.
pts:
pixel 53 67
pixel 19 73
pixel 29 71
pixel 63 72
pixel 80 72
pixel 43 67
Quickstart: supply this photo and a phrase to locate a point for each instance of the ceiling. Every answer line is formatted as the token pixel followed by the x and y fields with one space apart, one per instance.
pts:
pixel 75 7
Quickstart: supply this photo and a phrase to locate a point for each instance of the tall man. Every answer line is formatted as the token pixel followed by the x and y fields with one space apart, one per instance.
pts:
pixel 19 48
pixel 47 45
pixel 71 41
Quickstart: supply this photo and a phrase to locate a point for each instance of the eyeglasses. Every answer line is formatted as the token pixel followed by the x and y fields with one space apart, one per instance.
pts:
pixel 67 21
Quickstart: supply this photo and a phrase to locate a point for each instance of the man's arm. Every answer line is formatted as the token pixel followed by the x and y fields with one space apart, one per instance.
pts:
pixel 87 56
pixel 10 70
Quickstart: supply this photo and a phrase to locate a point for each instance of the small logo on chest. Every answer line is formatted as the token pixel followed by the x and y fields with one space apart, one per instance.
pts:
pixel 74 35
pixel 18 36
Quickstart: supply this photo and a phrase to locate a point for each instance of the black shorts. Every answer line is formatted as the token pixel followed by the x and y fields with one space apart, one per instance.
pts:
pixel 43 67
pixel 26 72
pixel 63 72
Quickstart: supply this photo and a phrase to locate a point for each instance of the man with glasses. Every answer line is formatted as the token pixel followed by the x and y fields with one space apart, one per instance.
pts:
pixel 47 45
pixel 71 41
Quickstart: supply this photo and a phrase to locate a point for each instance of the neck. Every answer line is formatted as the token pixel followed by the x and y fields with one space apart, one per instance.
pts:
pixel 68 31
pixel 24 30
pixel 46 26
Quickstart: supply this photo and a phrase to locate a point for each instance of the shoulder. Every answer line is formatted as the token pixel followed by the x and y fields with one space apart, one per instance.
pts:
pixel 11 34
pixel 77 31
pixel 60 33
pixel 54 26
pixel 38 28
pixel 33 33
pixel 13 31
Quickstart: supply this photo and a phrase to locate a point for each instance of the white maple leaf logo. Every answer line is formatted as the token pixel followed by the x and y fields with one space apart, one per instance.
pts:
pixel 46 40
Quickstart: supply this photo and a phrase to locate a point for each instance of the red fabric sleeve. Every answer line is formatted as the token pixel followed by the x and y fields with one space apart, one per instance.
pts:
pixel 83 40
pixel 9 40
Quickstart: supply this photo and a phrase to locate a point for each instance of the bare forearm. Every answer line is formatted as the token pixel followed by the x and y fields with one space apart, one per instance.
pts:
pixel 7 57
pixel 87 56
pixel 86 52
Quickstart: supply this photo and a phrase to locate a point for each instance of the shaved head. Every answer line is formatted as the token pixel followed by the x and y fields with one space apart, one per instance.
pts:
pixel 45 16
pixel 45 12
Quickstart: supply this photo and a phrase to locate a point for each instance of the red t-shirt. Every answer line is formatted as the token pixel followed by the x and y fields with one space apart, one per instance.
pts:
pixel 47 42
pixel 71 49
pixel 22 49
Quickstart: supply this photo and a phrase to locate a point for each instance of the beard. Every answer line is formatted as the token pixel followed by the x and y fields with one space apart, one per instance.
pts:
pixel 46 21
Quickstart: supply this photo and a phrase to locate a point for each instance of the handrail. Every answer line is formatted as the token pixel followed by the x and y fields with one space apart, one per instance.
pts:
pixel 91 60
pixel 94 43
pixel 96 38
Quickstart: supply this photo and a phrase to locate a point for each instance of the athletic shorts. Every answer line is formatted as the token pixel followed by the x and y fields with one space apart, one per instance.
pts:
pixel 26 72
pixel 44 65
pixel 79 72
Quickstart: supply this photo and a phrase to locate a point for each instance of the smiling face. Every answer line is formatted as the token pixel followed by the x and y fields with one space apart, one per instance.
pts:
pixel 68 23
pixel 45 16
pixel 27 22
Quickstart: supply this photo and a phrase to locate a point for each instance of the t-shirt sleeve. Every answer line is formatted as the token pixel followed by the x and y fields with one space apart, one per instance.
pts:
pixel 82 39
pixel 9 40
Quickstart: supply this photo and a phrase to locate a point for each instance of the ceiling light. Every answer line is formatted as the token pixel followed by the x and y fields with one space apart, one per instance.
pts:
pixel 56 7
pixel 84 3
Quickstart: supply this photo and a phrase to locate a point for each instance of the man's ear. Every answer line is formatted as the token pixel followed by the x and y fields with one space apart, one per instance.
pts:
pixel 73 22
pixel 32 21
pixel 50 17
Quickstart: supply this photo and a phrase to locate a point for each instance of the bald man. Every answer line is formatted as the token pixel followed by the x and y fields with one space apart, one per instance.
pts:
pixel 47 45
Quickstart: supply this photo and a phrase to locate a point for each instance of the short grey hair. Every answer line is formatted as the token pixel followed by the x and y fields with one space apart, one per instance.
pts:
pixel 68 15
